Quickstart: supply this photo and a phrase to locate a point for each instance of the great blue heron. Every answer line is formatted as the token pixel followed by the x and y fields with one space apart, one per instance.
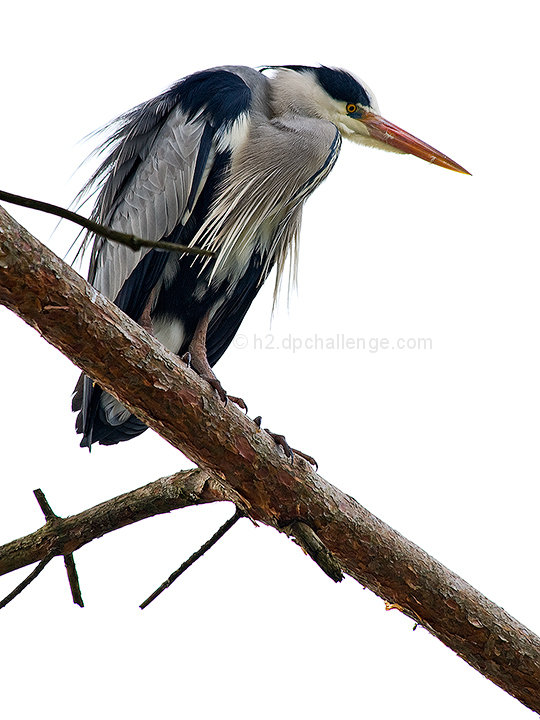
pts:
pixel 223 160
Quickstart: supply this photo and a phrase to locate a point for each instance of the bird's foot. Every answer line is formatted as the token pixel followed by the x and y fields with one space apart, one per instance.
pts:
pixel 214 382
pixel 196 358
pixel 287 449
pixel 204 371
pixel 207 374
pixel 238 401
pixel 218 387
pixel 308 458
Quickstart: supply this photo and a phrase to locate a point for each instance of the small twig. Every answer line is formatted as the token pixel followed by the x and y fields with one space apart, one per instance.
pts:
pixel 189 562
pixel 44 505
pixel 131 241
pixel 311 544
pixel 33 575
pixel 73 579
pixel 69 562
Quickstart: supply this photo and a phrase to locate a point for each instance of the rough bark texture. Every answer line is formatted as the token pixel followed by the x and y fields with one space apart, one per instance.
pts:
pixel 66 535
pixel 170 398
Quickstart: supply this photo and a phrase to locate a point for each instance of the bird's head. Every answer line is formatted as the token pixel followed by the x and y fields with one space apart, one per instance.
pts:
pixel 339 97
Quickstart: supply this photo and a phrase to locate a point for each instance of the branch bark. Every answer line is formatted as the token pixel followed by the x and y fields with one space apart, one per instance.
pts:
pixel 170 398
pixel 66 535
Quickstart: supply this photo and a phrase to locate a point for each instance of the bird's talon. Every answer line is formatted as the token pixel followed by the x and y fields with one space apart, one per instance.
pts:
pixel 238 401
pixel 186 358
pixel 218 387
pixel 287 449
pixel 307 458
pixel 258 421
pixel 281 442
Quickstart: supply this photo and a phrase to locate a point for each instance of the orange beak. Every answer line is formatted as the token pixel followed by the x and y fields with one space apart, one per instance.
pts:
pixel 390 134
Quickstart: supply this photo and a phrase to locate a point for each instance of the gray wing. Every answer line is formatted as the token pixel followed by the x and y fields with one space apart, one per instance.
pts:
pixel 159 159
pixel 148 191
pixel 153 201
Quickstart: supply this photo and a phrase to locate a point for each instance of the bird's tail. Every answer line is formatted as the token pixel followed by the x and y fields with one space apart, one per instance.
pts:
pixel 101 418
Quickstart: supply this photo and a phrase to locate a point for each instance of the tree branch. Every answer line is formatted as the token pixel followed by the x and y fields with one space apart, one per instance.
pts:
pixel 131 241
pixel 66 535
pixel 26 582
pixel 73 579
pixel 193 558
pixel 155 385
pixel 51 520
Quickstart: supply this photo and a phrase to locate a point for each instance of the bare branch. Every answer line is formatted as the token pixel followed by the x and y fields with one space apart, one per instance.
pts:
pixel 66 535
pixel 170 398
pixel 305 537
pixel 216 537
pixel 131 241
pixel 52 520
pixel 73 579
pixel 43 503
pixel 26 582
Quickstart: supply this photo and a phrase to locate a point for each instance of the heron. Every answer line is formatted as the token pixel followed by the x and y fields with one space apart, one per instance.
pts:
pixel 223 160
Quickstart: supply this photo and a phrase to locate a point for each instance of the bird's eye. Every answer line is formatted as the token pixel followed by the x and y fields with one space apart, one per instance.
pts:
pixel 351 108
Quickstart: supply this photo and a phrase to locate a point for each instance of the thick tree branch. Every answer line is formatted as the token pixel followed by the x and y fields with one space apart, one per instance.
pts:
pixel 171 399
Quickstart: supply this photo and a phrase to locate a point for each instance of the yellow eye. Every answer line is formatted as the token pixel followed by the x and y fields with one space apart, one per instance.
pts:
pixel 351 108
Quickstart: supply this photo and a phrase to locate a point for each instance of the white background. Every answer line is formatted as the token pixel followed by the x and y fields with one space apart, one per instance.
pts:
pixel 442 444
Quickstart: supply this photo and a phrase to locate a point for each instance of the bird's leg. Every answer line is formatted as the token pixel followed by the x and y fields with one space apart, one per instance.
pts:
pixel 145 319
pixel 287 449
pixel 198 360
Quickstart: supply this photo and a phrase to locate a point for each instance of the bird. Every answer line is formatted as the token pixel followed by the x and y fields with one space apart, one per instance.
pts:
pixel 222 160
